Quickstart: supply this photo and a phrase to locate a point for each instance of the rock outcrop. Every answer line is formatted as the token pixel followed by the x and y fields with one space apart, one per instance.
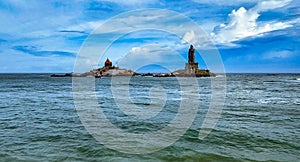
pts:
pixel 108 70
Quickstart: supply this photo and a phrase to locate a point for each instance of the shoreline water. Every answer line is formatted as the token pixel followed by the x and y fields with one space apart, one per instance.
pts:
pixel 259 120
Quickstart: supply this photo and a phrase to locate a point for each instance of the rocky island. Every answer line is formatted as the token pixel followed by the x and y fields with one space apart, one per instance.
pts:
pixel 108 70
pixel 191 68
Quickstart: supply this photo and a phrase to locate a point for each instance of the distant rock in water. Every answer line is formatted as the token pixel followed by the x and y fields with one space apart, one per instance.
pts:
pixel 191 70
pixel 109 70
pixel 106 71
pixel 61 75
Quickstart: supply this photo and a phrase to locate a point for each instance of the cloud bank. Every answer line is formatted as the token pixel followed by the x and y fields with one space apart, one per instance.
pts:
pixel 44 36
pixel 244 23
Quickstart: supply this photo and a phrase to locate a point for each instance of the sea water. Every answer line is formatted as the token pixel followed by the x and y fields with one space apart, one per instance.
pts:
pixel 260 120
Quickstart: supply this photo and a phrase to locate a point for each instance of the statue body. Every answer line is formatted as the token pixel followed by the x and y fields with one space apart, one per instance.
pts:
pixel 191 55
pixel 191 67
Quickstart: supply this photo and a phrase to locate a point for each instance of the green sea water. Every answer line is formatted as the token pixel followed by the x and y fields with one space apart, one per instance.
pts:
pixel 260 120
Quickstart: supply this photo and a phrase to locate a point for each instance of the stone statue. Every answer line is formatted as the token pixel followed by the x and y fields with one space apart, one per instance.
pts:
pixel 191 55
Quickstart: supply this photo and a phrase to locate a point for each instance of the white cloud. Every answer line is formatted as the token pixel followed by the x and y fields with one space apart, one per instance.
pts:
pixel 151 54
pixel 160 20
pixel 278 55
pixel 84 26
pixel 243 23
pixel 270 4
pixel 189 36
pixel 139 50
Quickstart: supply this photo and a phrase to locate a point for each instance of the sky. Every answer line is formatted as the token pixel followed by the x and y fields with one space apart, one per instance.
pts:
pixel 251 36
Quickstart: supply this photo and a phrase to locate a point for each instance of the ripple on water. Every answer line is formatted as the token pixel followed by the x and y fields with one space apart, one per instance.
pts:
pixel 260 120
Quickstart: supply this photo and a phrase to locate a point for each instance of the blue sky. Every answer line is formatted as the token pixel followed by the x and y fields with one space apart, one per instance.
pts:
pixel 251 35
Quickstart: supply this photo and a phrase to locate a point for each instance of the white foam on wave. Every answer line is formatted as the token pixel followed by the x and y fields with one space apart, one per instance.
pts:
pixel 273 100
pixel 297 101
pixel 298 79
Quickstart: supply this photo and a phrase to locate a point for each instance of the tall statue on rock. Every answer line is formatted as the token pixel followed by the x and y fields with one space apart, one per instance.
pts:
pixel 191 67
pixel 191 55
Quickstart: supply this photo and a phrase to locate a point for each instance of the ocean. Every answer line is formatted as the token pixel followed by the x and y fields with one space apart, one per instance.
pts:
pixel 260 120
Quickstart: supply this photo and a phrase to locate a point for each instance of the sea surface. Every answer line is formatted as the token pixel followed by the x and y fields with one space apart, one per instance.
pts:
pixel 260 120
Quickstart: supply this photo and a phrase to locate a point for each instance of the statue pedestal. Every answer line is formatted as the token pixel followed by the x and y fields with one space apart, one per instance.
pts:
pixel 191 67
